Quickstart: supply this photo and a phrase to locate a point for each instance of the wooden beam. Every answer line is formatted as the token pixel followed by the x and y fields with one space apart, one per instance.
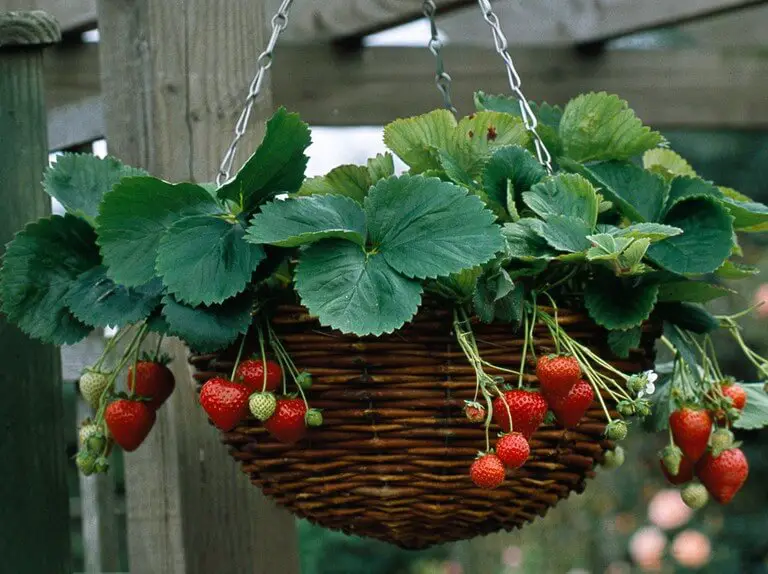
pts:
pixel 72 15
pixel 669 89
pixel 170 105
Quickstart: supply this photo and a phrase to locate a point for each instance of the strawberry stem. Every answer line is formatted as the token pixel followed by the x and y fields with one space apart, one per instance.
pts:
pixel 525 351
pixel 556 332
pixel 138 341
pixel 240 354
pixel 158 346
pixel 506 406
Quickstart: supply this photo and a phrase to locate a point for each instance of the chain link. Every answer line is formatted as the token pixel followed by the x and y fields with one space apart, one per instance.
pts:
pixel 529 118
pixel 442 79
pixel 264 63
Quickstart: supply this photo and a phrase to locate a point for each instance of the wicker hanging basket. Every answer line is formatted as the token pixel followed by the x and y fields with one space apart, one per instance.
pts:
pixel 392 457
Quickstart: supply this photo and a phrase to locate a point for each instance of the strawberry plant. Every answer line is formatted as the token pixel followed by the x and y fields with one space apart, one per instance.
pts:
pixel 622 229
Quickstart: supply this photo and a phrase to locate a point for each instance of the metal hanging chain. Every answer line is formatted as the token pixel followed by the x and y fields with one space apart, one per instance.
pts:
pixel 442 79
pixel 529 118
pixel 264 63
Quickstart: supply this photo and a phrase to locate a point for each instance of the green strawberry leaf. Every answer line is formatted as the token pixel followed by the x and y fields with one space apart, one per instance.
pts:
pixel 208 328
pixel 98 301
pixel 426 228
pixel 79 181
pixel 599 126
pixel 352 181
pixel 748 216
pixel 525 243
pixel 705 242
pixel 276 167
pixel 622 342
pixel 563 233
pixel 755 413
pixel 688 316
pixel 667 163
pixel 461 168
pixel 498 297
pixel 684 343
pixel 305 220
pixel 732 270
pixel 515 165
pixel 691 291
pixel 414 140
pixel 617 303
pixel 651 231
pixel 564 194
pixel 40 265
pixel 133 218
pixel 204 259
pixel 354 292
pixel 662 405
pixel 686 188
pixel 639 194
pixel 483 131
pixel 381 167
pixel 457 286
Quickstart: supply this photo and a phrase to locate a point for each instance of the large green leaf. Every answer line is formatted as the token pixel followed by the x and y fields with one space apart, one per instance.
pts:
pixel 546 114
pixel 564 194
pixel 688 316
pixel 98 301
pixel 622 342
pixel 639 194
pixel 205 259
pixel 210 328
pixel 515 165
pixel 599 126
pixel 747 215
pixel 525 243
pixel 692 291
pixel 732 270
pixel 617 303
pixel 666 163
pixel 485 130
pixel 133 218
pixel 79 181
pixel 563 233
pixel 277 166
pixel 40 266
pixel 685 344
pixel 423 227
pixel 705 242
pixel 755 413
pixel 685 188
pixel 354 292
pixel 414 139
pixel 308 219
pixel 350 180
pixel 652 231
pixel 380 166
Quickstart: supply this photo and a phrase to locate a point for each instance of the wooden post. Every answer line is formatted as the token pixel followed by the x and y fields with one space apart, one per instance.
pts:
pixel 174 75
pixel 34 513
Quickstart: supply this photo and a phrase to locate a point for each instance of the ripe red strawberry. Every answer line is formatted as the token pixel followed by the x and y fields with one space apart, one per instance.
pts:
pixel 474 412
pixel 487 471
pixel 691 428
pixel 737 394
pixel 225 402
pixel 725 475
pixel 129 422
pixel 251 374
pixel 571 408
pixel 153 380
pixel 528 409
pixel 513 450
pixel 287 424
pixel 557 374
pixel 685 474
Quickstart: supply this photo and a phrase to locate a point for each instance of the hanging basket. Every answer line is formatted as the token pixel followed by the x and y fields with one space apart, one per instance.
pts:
pixel 391 459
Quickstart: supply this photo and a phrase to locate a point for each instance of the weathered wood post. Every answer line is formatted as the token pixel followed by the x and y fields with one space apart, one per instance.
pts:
pixel 34 513
pixel 174 76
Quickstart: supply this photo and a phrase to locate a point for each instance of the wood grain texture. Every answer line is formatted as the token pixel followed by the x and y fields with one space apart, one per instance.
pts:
pixel 174 76
pixel 35 507
pixel 33 28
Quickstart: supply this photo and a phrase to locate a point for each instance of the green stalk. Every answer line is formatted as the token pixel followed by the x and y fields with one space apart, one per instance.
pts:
pixel 237 359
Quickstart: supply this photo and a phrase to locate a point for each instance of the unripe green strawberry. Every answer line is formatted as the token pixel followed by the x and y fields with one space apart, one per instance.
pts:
pixel 616 430
pixel 695 495
pixel 720 441
pixel 88 428
pixel 671 457
pixel 614 458
pixel 86 462
pixel 262 405
pixel 625 408
pixel 304 380
pixel 313 418
pixel 101 465
pixel 92 385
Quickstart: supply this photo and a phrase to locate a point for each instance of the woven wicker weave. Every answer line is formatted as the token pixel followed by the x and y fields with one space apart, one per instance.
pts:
pixel 392 458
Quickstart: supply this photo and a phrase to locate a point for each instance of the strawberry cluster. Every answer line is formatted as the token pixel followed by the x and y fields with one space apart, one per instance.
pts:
pixel 125 419
pixel 286 417
pixel 699 449
pixel 519 412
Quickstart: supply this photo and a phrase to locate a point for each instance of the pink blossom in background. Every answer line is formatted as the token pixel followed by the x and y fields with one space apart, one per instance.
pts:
pixel 618 568
pixel 512 556
pixel 646 546
pixel 761 296
pixel 691 548
pixel 667 509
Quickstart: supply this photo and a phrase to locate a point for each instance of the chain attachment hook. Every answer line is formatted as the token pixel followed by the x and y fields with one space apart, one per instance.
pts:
pixel 435 45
